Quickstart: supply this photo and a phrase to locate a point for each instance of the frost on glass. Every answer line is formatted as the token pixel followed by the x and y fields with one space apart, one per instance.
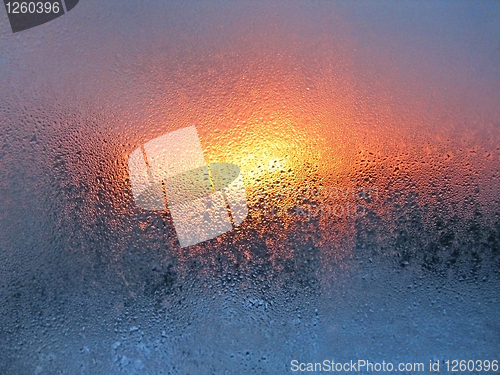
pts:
pixel 363 141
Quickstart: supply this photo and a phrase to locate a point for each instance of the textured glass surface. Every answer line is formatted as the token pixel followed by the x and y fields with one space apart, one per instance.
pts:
pixel 367 137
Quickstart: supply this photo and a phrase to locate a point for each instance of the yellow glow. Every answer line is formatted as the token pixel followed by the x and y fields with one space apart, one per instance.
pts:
pixel 272 153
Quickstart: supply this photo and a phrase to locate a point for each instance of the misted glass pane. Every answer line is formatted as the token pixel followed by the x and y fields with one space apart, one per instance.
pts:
pixel 240 187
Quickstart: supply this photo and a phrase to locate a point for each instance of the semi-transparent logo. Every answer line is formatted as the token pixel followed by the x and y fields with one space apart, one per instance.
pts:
pixel 205 201
pixel 24 15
